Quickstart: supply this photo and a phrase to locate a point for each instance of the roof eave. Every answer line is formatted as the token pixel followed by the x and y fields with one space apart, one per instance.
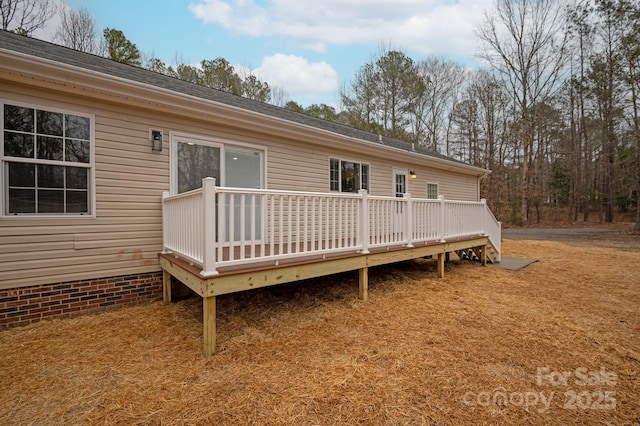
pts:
pixel 158 98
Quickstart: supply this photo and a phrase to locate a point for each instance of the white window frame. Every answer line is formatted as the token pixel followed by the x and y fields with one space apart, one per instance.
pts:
pixel 4 178
pixel 222 144
pixel 340 160
pixel 437 190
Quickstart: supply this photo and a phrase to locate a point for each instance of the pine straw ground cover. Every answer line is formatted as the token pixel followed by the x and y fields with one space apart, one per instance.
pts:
pixel 555 343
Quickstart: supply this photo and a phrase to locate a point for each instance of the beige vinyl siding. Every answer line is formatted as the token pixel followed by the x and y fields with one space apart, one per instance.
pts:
pixel 451 185
pixel 380 178
pixel 296 167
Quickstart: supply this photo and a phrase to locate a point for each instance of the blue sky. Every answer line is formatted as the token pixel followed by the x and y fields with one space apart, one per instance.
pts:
pixel 309 48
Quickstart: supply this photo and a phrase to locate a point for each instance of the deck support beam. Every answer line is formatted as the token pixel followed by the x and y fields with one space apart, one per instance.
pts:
pixel 209 325
pixel 441 258
pixel 363 286
pixel 166 286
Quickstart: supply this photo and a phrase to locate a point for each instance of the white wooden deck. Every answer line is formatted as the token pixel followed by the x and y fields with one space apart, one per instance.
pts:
pixel 220 240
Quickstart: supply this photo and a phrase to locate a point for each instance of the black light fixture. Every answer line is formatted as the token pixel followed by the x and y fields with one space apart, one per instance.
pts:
pixel 412 175
pixel 156 140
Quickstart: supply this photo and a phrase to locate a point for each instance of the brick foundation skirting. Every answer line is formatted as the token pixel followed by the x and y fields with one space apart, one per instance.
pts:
pixel 25 305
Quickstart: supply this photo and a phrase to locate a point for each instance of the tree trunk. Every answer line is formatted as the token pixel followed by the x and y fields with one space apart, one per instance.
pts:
pixel 637 183
pixel 636 128
pixel 524 208
pixel 610 148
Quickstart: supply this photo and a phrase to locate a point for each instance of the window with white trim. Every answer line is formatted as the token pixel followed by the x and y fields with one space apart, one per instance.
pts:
pixel 348 176
pixel 432 191
pixel 46 161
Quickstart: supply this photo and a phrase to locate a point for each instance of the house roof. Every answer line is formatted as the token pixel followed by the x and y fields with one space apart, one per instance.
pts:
pixel 53 52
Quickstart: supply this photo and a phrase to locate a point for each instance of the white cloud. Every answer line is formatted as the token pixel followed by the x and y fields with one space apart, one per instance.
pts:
pixel 297 76
pixel 443 27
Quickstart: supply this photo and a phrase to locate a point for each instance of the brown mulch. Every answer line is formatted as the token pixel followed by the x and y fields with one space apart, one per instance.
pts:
pixel 555 343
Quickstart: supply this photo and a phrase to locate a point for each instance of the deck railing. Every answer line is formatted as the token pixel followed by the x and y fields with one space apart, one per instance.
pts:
pixel 215 227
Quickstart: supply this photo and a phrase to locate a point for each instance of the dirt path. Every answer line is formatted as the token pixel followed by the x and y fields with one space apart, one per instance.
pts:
pixel 617 237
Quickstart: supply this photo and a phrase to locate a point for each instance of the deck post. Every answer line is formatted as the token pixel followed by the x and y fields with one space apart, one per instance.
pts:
pixel 165 224
pixel 483 201
pixel 363 221
pixel 442 217
pixel 166 286
pixel 408 221
pixel 209 325
pixel 363 287
pixel 483 255
pixel 209 231
pixel 441 257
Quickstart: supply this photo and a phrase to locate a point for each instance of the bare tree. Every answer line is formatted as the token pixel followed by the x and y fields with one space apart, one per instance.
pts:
pixel 279 96
pixel 524 42
pixel 613 89
pixel 581 33
pixel 25 16
pixel 77 30
pixel 443 80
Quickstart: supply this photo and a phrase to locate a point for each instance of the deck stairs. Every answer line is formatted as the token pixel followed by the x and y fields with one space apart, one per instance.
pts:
pixel 474 254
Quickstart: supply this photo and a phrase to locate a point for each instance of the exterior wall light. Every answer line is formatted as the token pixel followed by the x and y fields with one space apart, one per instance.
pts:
pixel 412 175
pixel 156 140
